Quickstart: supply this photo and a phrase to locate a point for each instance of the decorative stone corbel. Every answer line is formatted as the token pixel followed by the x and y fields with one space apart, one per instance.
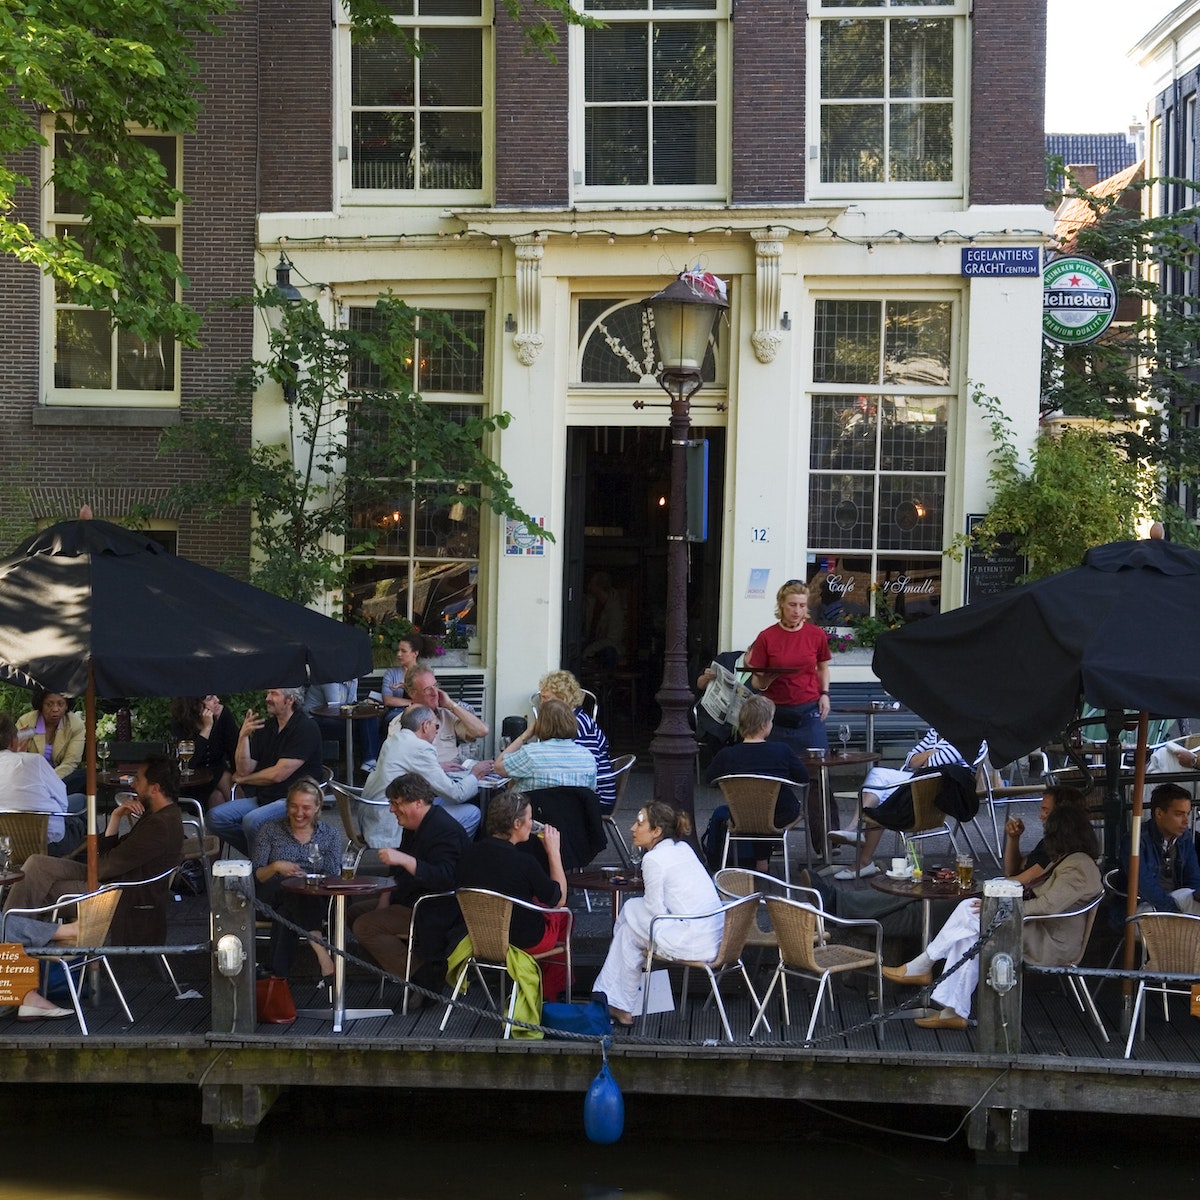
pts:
pixel 768 248
pixel 528 340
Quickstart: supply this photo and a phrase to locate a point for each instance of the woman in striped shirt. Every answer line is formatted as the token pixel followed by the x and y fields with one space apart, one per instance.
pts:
pixel 562 685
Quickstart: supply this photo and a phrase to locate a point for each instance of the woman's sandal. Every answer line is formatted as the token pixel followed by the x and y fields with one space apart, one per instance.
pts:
pixel 620 1016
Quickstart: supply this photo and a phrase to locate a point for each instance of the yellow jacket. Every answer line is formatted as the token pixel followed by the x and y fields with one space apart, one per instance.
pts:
pixel 68 741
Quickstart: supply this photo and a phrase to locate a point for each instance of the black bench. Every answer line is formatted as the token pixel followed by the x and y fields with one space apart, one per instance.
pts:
pixel 891 726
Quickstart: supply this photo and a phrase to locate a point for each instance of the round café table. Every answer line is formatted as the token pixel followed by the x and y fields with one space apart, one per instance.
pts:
pixel 360 888
pixel 822 762
pixel 368 711
pixel 870 711
pixel 614 880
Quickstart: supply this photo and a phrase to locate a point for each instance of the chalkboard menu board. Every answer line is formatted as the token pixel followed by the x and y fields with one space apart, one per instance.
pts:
pixel 989 574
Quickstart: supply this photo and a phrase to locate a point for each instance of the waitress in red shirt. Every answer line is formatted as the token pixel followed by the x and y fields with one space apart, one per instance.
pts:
pixel 790 661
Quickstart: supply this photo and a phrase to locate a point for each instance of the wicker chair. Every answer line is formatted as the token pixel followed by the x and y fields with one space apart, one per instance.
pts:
pixel 1074 984
pixel 27 830
pixel 488 916
pixel 928 820
pixel 751 800
pixel 1170 946
pixel 805 951
pixel 735 882
pixel 739 919
pixel 94 914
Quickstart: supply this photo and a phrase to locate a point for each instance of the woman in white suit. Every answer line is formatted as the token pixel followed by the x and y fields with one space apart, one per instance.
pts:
pixel 676 882
pixel 1071 880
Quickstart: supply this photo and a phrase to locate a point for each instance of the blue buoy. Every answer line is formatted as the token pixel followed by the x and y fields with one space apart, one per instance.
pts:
pixel 604 1108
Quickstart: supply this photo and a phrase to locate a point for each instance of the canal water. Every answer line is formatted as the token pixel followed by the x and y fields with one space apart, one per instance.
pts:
pixel 127 1144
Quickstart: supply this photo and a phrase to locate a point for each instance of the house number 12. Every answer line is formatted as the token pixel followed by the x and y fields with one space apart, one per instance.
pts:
pixel 760 534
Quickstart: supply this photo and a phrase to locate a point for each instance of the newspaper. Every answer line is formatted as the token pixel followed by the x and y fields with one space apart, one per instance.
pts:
pixel 724 696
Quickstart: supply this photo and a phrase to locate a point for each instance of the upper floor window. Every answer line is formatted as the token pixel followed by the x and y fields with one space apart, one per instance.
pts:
pixel 891 95
pixel 417 121
pixel 652 98
pixel 91 360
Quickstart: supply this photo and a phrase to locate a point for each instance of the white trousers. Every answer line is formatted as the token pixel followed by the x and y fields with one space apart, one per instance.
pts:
pixel 952 941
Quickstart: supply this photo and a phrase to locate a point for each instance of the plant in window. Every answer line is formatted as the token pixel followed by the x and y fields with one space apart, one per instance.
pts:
pixel 348 452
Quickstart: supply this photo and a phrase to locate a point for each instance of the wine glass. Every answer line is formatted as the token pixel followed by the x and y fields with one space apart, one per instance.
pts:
pixel 103 750
pixel 312 854
pixel 5 852
pixel 844 737
pixel 186 749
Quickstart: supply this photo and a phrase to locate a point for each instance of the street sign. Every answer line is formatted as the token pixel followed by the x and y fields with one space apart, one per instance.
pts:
pixel 1001 260
pixel 1079 300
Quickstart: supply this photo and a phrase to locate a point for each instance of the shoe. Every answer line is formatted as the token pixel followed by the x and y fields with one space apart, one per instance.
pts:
pixel 368 766
pixel 900 975
pixel 862 872
pixel 620 1016
pixel 804 879
pixel 415 1000
pixel 30 1012
pixel 941 1021
pixel 844 837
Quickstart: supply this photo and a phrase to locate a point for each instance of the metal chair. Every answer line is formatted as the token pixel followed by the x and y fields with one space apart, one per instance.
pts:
pixel 488 915
pixel 412 937
pixel 739 918
pixel 751 800
pixel 1077 987
pixel 805 951
pixel 622 768
pixel 928 820
pixel 735 882
pixel 94 915
pixel 1170 948
pixel 27 831
pixel 994 792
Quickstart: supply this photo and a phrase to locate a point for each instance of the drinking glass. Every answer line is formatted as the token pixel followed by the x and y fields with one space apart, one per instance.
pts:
pixel 312 855
pixel 844 736
pixel 965 866
pixel 186 750
pixel 5 852
pixel 103 750
pixel 350 858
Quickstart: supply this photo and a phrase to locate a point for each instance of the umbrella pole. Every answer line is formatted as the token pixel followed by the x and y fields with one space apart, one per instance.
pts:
pixel 1135 847
pixel 89 711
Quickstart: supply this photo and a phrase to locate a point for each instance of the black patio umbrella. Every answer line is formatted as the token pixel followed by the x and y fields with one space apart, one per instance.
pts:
pixel 1119 632
pixel 89 608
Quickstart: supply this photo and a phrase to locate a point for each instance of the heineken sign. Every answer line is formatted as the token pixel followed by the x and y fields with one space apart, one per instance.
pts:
pixel 1079 299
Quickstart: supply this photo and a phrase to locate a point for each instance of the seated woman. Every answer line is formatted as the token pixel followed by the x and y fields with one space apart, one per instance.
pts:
pixel 562 685
pixel 1070 882
pixel 930 753
pixel 676 882
pixel 1027 868
pixel 554 759
pixel 395 699
pixel 31 932
pixel 50 728
pixel 297 844
pixel 211 728
pixel 755 755
pixel 495 863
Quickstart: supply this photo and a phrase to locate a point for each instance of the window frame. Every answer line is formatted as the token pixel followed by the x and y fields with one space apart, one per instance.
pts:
pixel 719 189
pixel 432 197
pixel 409 561
pixel 952 394
pixel 954 187
pixel 54 396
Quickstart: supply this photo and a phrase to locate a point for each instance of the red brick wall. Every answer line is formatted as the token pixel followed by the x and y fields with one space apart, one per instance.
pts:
pixel 1008 39
pixel 532 114
pixel 768 101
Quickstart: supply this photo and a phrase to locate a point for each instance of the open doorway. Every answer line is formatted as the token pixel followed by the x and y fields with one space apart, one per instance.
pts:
pixel 615 549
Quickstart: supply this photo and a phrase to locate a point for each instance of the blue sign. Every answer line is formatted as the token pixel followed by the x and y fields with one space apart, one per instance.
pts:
pixel 1001 260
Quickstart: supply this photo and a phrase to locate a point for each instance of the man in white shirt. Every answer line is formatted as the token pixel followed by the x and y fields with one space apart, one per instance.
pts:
pixel 29 783
pixel 458 722
pixel 410 749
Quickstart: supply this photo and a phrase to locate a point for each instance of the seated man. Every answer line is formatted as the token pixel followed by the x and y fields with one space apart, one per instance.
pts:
pixel 271 753
pixel 930 753
pixel 1168 871
pixel 426 860
pixel 28 783
pixel 458 722
pixel 755 755
pixel 154 844
pixel 408 749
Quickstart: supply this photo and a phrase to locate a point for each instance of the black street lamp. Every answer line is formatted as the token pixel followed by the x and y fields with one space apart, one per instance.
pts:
pixel 683 316
pixel 282 296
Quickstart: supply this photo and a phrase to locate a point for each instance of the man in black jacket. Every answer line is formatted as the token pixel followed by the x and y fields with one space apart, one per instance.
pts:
pixel 431 843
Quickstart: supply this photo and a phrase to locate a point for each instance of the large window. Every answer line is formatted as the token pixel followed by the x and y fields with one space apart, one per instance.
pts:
pixel 94 362
pixel 425 562
pixel 653 96
pixel 882 375
pixel 890 94
pixel 417 121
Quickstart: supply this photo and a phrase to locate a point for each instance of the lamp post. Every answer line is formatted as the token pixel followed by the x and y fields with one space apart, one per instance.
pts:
pixel 283 295
pixel 683 316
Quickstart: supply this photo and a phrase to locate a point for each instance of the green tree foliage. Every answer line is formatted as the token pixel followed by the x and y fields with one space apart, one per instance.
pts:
pixel 98 69
pixel 1080 491
pixel 347 449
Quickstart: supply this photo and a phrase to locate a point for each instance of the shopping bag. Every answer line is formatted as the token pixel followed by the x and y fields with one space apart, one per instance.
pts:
pixel 273 999
pixel 661 999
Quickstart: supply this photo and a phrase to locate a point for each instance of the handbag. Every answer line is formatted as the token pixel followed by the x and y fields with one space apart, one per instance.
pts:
pixel 590 1018
pixel 273 1000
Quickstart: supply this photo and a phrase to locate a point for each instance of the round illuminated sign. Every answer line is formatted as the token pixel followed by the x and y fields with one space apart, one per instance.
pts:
pixel 1079 300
